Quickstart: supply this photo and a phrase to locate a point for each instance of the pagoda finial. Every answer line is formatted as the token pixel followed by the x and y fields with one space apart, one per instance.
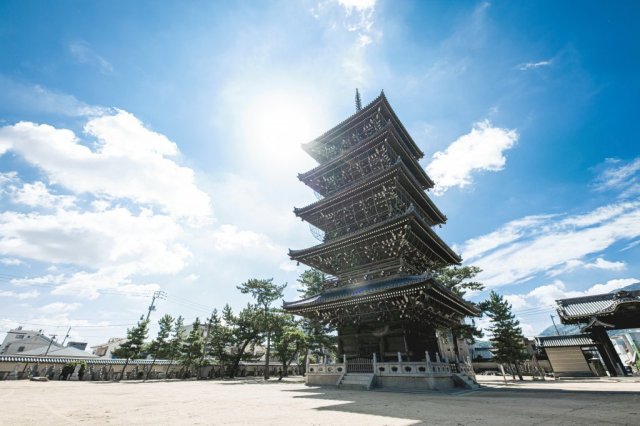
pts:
pixel 358 101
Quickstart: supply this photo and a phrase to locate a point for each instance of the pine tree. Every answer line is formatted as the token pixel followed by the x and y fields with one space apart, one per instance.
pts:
pixel 245 329
pixel 460 280
pixel 160 347
pixel 219 339
pixel 175 344
pixel 134 346
pixel 318 335
pixel 265 292
pixel 289 340
pixel 193 347
pixel 507 338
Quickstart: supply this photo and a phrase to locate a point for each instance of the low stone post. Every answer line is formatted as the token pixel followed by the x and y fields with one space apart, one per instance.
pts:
pixel 344 360
pixel 375 362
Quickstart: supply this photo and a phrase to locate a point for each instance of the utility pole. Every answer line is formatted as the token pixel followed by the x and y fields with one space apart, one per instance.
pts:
pixel 53 336
pixel 156 295
pixel 554 324
pixel 65 337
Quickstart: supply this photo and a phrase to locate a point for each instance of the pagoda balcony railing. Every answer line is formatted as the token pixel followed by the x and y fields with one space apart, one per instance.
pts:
pixel 360 131
pixel 373 160
pixel 372 208
pixel 426 368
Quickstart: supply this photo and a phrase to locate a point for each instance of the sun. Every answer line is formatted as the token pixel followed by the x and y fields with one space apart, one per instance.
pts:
pixel 277 123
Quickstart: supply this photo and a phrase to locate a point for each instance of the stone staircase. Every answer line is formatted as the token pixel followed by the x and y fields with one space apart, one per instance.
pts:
pixel 357 381
pixel 464 381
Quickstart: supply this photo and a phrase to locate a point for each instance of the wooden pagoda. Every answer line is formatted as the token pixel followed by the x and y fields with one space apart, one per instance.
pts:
pixel 378 247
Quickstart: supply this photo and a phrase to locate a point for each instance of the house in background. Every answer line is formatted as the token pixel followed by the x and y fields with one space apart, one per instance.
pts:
pixel 105 350
pixel 17 341
pixel 34 343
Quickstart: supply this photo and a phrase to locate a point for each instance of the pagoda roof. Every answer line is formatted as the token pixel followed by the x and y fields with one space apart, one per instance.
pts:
pixel 368 143
pixel 439 247
pixel 354 119
pixel 596 305
pixel 399 169
pixel 381 289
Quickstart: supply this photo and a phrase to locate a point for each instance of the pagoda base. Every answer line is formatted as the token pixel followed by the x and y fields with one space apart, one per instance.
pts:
pixel 390 341
pixel 425 375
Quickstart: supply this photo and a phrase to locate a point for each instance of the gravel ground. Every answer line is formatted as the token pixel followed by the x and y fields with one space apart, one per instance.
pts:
pixel 290 402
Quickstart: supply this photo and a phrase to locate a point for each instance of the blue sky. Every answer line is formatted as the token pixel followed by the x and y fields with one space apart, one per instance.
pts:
pixel 147 146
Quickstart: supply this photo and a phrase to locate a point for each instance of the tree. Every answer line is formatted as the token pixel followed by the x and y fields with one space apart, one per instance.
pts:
pixel 134 346
pixel 160 347
pixel 289 340
pixel 265 292
pixel 176 342
pixel 192 348
pixel 459 279
pixel 219 339
pixel 311 282
pixel 507 335
pixel 245 329
pixel 318 335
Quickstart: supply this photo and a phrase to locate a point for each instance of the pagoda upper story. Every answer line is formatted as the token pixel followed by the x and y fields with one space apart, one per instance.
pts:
pixel 375 215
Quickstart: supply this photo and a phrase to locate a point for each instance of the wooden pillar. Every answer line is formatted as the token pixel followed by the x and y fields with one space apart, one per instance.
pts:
pixel 609 355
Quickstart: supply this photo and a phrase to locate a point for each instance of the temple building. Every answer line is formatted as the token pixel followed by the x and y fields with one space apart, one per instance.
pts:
pixel 378 247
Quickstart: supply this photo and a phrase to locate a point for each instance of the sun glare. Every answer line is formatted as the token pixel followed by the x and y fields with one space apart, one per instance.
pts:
pixel 276 124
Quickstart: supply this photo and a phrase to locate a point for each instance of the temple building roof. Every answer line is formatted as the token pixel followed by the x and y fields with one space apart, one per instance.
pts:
pixel 388 135
pixel 383 289
pixel 565 341
pixel 392 228
pixel 581 309
pixel 356 120
pixel 398 171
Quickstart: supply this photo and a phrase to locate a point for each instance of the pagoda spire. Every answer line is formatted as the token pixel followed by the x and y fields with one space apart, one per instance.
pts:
pixel 358 101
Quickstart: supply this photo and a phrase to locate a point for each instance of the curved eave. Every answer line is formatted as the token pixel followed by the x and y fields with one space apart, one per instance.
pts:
pixel 446 253
pixel 352 295
pixel 587 316
pixel 582 309
pixel 353 120
pixel 395 141
pixel 409 183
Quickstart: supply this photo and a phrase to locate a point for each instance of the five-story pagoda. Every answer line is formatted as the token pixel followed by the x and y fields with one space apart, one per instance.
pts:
pixel 378 246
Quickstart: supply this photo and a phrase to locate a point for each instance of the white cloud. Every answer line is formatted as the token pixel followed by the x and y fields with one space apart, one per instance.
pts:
pixel 547 244
pixel 37 195
pixel 11 261
pixel 82 53
pixel 129 162
pixel 57 308
pixel 32 294
pixel 546 295
pixel 481 149
pixel 357 18
pixel 229 237
pixel 37 99
pixel 620 176
pixel 599 263
pixel 533 65
pixel 95 239
pixel 359 5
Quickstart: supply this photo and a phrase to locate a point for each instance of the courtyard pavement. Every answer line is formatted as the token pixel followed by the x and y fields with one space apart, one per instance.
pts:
pixel 290 402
